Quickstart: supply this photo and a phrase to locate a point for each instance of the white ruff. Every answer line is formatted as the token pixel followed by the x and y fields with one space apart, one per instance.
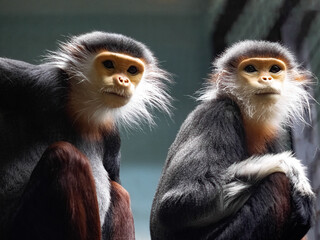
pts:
pixel 290 106
pixel 293 102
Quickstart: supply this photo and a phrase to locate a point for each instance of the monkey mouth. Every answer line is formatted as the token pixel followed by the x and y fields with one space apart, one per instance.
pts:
pixel 116 92
pixel 267 91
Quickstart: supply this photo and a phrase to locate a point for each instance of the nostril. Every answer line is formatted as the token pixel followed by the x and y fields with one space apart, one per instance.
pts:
pixel 265 78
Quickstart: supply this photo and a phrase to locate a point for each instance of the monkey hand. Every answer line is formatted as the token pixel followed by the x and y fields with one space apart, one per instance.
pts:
pixel 257 168
pixel 296 172
pixel 302 215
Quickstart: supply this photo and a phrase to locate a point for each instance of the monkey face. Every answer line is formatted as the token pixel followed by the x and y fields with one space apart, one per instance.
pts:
pixel 262 77
pixel 115 76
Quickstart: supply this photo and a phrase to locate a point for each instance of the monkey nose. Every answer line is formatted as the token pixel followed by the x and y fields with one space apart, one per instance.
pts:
pixel 266 78
pixel 123 81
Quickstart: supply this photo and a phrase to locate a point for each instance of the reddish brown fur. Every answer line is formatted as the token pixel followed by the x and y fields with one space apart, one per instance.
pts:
pixel 281 208
pixel 282 203
pixel 94 132
pixel 258 135
pixel 122 219
pixel 77 187
pixel 300 78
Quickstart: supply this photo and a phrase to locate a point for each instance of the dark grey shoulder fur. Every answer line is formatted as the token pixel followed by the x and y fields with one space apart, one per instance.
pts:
pixel 24 86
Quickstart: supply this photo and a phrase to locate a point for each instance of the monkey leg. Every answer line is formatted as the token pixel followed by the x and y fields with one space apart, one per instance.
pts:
pixel 60 199
pixel 120 215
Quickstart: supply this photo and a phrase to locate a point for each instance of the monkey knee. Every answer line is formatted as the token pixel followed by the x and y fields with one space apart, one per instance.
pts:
pixel 122 220
pixel 62 157
pixel 279 184
pixel 120 193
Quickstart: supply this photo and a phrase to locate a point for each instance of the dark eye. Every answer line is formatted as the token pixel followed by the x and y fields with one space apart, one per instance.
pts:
pixel 275 69
pixel 250 69
pixel 108 64
pixel 132 70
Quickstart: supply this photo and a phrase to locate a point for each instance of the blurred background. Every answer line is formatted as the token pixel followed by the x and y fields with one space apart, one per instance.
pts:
pixel 185 35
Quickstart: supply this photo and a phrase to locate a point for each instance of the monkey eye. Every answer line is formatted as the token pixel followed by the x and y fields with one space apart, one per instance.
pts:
pixel 275 69
pixel 250 69
pixel 108 64
pixel 132 70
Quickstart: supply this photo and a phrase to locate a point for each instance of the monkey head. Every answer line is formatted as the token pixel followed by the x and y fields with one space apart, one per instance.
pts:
pixel 113 79
pixel 263 78
pixel 116 77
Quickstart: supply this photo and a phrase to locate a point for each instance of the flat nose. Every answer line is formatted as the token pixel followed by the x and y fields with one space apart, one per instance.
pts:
pixel 122 81
pixel 266 78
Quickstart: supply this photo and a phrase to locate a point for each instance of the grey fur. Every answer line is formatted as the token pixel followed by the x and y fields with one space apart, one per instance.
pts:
pixel 253 48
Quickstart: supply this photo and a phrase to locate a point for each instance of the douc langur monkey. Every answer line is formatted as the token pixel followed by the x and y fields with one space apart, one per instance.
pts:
pixel 59 137
pixel 227 175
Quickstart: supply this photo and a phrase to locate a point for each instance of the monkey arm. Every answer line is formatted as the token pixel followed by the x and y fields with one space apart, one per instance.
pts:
pixel 277 174
pixel 190 190
pixel 274 181
pixel 271 212
pixel 190 204
pixel 256 168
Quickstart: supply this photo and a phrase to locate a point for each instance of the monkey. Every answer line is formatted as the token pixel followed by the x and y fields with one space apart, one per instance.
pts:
pixel 60 138
pixel 228 173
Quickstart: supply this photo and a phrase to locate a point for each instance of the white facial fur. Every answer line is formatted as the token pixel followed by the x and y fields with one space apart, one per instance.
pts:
pixel 290 105
pixel 151 93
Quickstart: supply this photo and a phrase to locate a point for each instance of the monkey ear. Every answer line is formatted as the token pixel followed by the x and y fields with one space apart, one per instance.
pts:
pixel 213 77
pixel 216 77
pixel 302 76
